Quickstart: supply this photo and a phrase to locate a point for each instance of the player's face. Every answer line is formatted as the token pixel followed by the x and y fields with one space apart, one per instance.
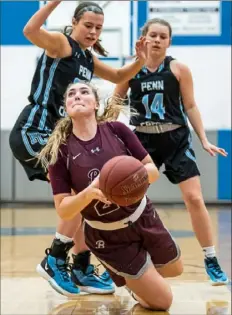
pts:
pixel 88 29
pixel 80 101
pixel 159 38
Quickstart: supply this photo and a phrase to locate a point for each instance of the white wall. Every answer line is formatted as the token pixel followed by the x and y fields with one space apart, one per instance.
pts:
pixel 210 65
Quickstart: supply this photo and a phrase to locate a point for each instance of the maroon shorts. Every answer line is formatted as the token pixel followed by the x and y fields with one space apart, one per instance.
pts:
pixel 127 252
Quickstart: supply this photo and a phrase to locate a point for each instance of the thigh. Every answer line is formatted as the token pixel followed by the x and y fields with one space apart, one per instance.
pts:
pixel 157 240
pixel 28 136
pixel 171 269
pixel 120 251
pixel 181 164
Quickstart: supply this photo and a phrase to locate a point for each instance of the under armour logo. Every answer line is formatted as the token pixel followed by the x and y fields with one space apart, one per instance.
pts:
pixel 77 55
pixel 97 149
pixel 100 244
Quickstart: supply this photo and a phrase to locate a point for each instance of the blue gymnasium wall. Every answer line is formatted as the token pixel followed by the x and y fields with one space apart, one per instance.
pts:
pixel 12 35
pixel 224 166
pixel 14 15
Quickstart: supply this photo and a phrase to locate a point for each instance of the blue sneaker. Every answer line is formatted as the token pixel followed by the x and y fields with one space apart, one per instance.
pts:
pixel 106 277
pixel 213 269
pixel 55 269
pixel 89 281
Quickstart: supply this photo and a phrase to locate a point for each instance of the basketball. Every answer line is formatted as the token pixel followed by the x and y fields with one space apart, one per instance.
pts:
pixel 123 180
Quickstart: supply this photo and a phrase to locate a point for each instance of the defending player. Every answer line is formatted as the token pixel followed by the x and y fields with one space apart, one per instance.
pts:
pixel 66 59
pixel 162 94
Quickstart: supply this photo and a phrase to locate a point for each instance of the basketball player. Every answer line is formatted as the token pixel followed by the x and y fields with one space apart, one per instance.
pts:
pixel 131 242
pixel 66 59
pixel 162 94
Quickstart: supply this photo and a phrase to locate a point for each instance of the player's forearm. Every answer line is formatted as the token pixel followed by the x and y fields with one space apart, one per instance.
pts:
pixel 72 205
pixel 125 73
pixel 38 19
pixel 153 173
pixel 197 123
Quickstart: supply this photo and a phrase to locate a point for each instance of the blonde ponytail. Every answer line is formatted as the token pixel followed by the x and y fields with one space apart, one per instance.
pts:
pixel 49 154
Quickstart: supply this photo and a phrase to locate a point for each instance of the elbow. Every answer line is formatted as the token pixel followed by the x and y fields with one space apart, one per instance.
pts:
pixel 64 215
pixel 190 107
pixel 120 77
pixel 155 176
pixel 117 79
pixel 26 31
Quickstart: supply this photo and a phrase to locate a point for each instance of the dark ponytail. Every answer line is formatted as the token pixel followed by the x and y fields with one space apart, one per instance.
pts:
pixel 67 30
pixel 99 49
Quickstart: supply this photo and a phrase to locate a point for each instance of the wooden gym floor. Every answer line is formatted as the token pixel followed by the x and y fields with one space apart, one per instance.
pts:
pixel 25 233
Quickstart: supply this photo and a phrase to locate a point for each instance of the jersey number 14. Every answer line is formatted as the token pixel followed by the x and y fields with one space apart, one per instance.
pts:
pixel 157 106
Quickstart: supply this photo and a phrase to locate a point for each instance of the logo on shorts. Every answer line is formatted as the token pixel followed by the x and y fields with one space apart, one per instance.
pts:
pixel 100 244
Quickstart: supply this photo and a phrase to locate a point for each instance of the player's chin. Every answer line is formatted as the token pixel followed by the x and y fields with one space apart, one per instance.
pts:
pixel 156 52
pixel 77 113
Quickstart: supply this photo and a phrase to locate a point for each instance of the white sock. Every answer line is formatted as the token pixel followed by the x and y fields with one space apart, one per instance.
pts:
pixel 209 251
pixel 63 238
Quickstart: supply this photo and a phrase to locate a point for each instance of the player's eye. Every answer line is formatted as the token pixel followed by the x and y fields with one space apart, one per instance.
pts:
pixel 84 92
pixel 71 93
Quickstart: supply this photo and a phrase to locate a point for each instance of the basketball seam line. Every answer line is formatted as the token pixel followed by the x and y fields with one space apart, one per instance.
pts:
pixel 112 171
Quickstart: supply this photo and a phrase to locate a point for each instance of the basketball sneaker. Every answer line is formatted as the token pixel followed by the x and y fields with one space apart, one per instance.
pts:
pixel 214 271
pixel 106 277
pixel 88 279
pixel 55 268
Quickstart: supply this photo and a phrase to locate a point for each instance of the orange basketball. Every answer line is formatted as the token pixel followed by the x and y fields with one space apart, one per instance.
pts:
pixel 124 180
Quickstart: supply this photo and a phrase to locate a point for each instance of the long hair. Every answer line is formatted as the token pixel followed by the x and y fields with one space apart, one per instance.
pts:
pixel 49 154
pixel 79 12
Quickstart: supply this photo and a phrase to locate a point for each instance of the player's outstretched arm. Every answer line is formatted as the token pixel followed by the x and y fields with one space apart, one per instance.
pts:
pixel 121 90
pixel 193 113
pixel 125 73
pixel 33 31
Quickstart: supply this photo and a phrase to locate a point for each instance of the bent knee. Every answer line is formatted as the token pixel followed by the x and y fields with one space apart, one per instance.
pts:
pixel 178 270
pixel 162 303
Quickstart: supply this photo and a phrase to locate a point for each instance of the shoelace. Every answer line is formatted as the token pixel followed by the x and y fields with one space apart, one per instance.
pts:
pixel 63 268
pixel 95 270
pixel 214 264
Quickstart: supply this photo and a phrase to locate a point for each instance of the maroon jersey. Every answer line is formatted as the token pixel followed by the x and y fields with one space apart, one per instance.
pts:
pixel 80 162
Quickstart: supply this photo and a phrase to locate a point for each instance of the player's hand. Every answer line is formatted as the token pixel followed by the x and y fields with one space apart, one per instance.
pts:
pixel 141 48
pixel 213 149
pixel 96 193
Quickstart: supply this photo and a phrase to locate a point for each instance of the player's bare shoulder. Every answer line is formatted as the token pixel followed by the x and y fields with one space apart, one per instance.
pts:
pixel 178 68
